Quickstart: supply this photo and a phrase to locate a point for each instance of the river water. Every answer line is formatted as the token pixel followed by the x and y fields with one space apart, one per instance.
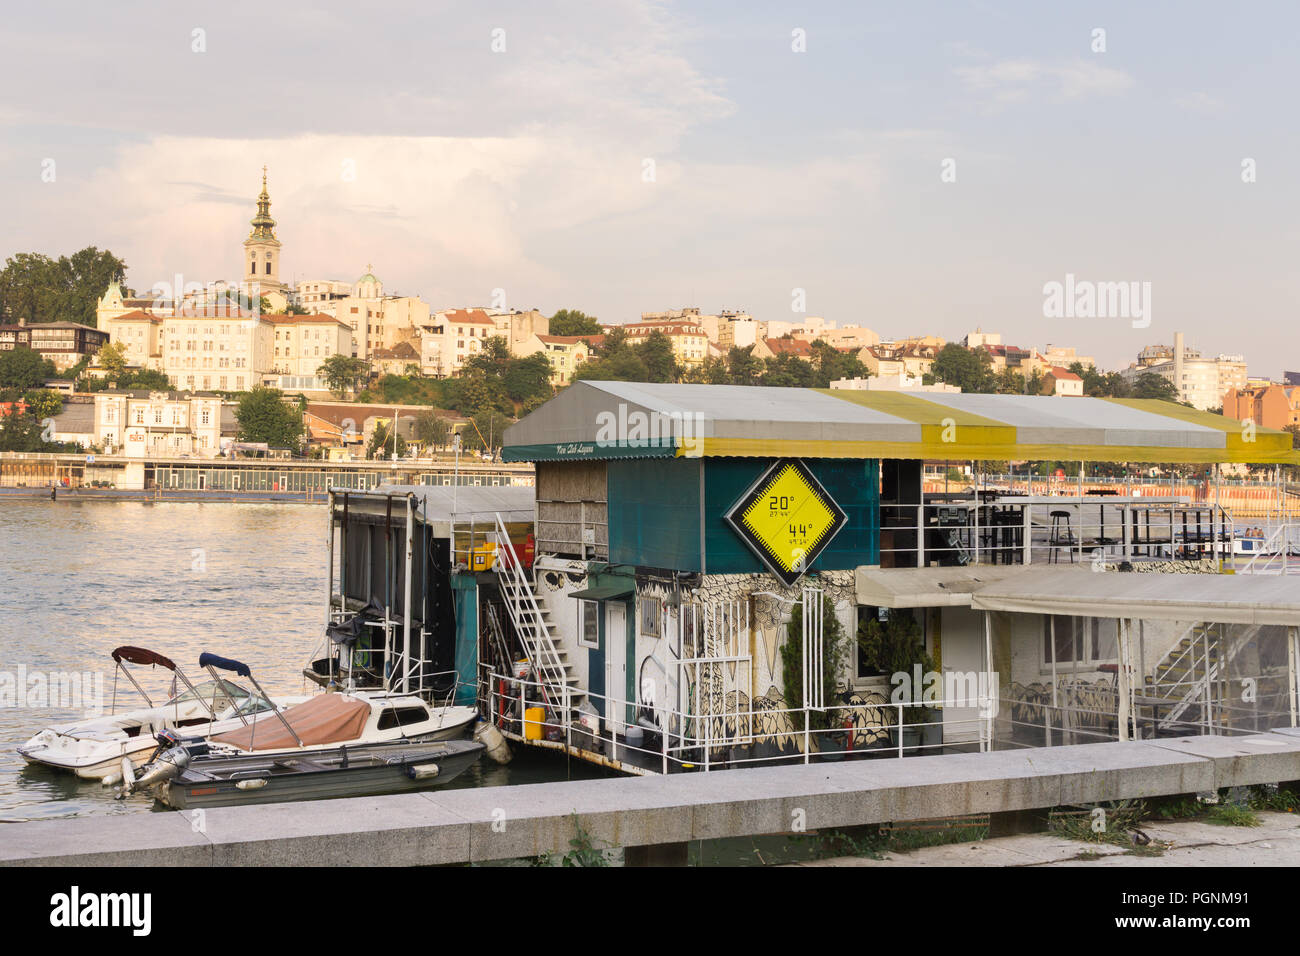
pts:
pixel 79 578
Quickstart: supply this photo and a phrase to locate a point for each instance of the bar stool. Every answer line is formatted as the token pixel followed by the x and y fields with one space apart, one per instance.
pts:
pixel 1060 535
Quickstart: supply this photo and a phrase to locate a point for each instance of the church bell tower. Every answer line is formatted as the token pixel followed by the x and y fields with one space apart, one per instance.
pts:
pixel 262 249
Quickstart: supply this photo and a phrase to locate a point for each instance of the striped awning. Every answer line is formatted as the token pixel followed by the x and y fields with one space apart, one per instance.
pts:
pixel 597 420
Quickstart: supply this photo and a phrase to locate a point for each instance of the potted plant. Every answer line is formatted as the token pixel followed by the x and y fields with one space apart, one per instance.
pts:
pixel 895 646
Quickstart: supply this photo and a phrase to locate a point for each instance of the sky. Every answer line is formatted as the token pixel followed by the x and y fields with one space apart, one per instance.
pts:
pixel 916 168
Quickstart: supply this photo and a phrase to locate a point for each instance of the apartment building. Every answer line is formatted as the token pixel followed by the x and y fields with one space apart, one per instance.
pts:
pixel 63 343
pixel 301 345
pixel 142 424
pixel 891 358
pixel 689 340
pixel 1201 382
pixel 1268 406
pixel 566 353
pixel 1065 357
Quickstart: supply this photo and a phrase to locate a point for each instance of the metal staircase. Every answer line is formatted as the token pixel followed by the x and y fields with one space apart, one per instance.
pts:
pixel 536 629
pixel 1185 678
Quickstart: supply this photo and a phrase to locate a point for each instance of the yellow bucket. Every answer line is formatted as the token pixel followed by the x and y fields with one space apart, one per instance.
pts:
pixel 534 717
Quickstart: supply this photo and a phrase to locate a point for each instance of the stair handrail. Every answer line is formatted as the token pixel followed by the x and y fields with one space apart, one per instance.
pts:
pixel 551 669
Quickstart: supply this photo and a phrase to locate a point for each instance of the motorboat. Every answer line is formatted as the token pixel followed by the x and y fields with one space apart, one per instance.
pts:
pixel 338 719
pixel 191 775
pixel 94 748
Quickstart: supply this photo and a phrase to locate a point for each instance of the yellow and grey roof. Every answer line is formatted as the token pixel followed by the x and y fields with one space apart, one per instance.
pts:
pixel 630 419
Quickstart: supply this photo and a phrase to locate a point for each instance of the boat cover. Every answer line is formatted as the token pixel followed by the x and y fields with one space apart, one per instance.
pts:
pixel 142 656
pixel 324 719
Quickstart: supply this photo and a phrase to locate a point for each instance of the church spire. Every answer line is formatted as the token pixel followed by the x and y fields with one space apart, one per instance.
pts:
pixel 263 224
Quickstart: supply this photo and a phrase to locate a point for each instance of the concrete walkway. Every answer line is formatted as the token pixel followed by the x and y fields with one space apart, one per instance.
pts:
pixel 1275 842
pixel 494 823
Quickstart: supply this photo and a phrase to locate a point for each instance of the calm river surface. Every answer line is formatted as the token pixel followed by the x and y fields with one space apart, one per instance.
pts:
pixel 79 578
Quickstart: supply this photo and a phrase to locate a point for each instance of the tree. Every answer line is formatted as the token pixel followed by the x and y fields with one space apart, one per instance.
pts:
pixel 486 432
pixel 788 371
pixel 1154 385
pixel 830 364
pixel 573 322
pixel 112 359
pixel 381 443
pixel 40 289
pixel 969 369
pixel 23 368
pixel 432 429
pixel 528 377
pixel 746 368
pixel 44 402
pixel 343 373
pixel 20 432
pixel 264 417
pixel 656 353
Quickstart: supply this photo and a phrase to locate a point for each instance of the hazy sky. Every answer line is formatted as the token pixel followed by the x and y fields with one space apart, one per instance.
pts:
pixel 773 170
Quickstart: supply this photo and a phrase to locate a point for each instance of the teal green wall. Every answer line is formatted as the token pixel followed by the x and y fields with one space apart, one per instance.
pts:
pixel 464 590
pixel 654 512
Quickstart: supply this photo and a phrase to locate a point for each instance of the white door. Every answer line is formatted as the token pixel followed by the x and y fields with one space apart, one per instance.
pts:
pixel 962 647
pixel 616 664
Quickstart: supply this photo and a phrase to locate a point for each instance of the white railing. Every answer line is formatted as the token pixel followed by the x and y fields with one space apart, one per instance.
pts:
pixel 1022 529
pixel 529 622
pixel 685 740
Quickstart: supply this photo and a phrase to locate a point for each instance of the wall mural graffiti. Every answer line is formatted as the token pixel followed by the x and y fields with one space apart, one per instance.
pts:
pixel 722 689
pixel 1090 705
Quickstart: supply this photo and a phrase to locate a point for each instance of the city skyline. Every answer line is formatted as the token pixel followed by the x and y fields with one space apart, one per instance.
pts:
pixel 525 169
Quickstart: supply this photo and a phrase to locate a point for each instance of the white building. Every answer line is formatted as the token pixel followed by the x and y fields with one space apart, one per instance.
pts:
pixel 1201 382
pixel 142 424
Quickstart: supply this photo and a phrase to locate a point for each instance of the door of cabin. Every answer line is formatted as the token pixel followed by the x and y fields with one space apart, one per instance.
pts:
pixel 962 644
pixel 616 665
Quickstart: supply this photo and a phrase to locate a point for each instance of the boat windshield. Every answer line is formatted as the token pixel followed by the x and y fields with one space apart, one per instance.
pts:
pixel 211 694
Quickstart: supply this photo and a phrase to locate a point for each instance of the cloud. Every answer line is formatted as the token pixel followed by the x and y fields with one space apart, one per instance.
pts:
pixel 1017 80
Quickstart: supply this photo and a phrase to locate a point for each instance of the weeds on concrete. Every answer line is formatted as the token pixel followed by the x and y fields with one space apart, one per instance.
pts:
pixel 1270 796
pixel 1115 824
pixel 1232 815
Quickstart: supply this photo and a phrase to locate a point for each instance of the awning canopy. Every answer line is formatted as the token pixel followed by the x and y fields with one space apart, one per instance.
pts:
pixel 606 592
pixel 605 420
pixel 1221 598
pixel 924 587
pixel 439 505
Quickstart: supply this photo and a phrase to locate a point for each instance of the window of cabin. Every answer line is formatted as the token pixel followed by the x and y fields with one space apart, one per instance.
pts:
pixel 589 621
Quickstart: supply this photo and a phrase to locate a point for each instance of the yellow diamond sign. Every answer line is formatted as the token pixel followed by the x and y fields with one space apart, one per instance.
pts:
pixel 787 518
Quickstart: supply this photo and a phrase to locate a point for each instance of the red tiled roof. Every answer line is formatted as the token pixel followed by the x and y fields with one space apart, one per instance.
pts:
pixel 789 346
pixel 315 317
pixel 467 317
pixel 137 315
pixel 568 339
pixel 402 350
pixel 1063 375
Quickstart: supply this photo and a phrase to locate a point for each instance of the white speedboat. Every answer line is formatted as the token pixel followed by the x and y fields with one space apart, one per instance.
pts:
pixel 333 720
pixel 94 748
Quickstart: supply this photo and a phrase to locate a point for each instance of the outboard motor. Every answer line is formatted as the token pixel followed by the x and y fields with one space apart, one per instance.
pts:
pixel 168 765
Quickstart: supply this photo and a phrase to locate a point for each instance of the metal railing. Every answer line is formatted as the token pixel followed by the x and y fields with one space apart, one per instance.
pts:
pixel 1022 529
pixel 665 739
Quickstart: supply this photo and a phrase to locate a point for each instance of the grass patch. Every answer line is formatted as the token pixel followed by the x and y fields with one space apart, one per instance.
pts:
pixel 1182 807
pixel 1110 823
pixel 1232 815
pixel 1274 798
